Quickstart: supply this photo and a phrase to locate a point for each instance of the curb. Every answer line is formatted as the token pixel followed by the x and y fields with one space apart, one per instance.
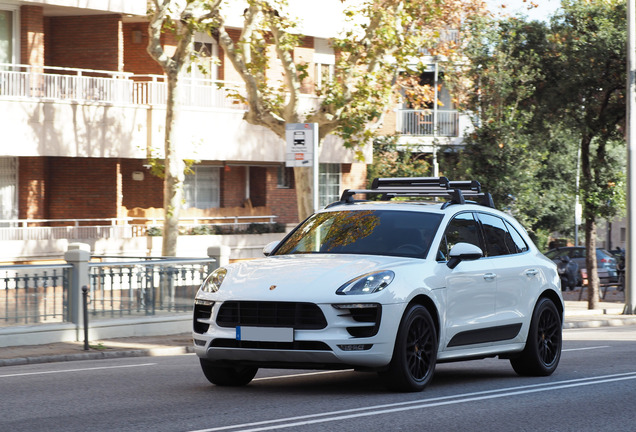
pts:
pixel 149 352
pixel 599 322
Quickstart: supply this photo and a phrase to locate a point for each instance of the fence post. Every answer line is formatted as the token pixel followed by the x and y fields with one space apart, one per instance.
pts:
pixel 77 255
pixel 221 254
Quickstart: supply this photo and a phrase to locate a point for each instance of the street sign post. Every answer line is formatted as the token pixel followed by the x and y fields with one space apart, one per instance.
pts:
pixel 302 150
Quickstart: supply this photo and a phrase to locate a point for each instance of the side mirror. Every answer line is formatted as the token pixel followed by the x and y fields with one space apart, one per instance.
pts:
pixel 463 252
pixel 565 259
pixel 269 248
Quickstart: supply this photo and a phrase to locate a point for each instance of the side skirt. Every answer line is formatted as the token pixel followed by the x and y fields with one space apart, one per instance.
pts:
pixel 485 335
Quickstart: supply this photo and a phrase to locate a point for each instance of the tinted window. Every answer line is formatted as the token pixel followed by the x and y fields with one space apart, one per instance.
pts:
pixel 370 232
pixel 462 229
pixel 496 235
pixel 518 244
pixel 578 253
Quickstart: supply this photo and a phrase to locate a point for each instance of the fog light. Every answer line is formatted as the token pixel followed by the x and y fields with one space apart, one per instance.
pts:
pixel 357 347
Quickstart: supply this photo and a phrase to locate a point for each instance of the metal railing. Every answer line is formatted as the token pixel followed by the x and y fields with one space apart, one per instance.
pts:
pixel 120 289
pixel 112 228
pixel 89 85
pixel 428 123
pixel 32 294
pixel 43 294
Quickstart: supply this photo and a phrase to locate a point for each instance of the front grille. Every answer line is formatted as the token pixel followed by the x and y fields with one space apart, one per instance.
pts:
pixel 296 345
pixel 300 316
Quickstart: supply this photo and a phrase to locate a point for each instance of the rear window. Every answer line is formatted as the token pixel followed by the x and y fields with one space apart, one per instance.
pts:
pixel 367 232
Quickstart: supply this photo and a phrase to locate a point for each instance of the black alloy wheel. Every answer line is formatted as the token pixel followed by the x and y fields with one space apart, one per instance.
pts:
pixel 415 352
pixel 543 348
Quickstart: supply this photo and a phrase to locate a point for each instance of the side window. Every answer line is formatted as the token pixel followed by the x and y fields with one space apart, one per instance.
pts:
pixel 518 243
pixel 495 234
pixel 462 229
pixel 577 253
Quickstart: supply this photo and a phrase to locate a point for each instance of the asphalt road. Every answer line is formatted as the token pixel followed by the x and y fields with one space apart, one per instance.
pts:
pixel 594 389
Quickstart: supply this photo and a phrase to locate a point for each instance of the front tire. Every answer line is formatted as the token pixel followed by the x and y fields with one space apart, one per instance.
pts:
pixel 415 352
pixel 227 376
pixel 543 347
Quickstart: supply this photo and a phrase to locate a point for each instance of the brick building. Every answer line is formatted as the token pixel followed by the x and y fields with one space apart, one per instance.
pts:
pixel 82 113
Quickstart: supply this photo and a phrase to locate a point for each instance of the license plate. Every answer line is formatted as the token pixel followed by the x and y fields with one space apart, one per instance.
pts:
pixel 265 334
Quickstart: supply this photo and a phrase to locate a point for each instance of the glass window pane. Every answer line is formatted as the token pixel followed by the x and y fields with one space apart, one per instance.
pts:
pixel 495 235
pixel 6 36
pixel 462 229
pixel 328 184
pixel 202 189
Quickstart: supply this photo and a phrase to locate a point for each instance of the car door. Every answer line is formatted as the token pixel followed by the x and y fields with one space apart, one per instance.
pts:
pixel 469 288
pixel 517 281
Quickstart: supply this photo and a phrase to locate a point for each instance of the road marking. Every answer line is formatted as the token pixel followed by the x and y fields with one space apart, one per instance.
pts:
pixel 75 370
pixel 586 348
pixel 368 411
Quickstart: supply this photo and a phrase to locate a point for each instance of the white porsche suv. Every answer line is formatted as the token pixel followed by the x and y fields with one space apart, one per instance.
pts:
pixel 392 286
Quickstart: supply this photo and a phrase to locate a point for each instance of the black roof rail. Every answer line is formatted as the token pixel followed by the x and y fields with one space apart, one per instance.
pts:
pixel 455 191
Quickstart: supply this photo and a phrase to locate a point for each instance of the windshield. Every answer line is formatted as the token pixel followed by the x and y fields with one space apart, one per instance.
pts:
pixel 369 232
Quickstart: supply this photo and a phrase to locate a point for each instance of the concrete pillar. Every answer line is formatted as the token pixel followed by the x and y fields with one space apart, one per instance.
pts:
pixel 77 256
pixel 221 254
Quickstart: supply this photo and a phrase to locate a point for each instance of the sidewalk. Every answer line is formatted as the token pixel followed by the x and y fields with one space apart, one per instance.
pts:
pixel 577 315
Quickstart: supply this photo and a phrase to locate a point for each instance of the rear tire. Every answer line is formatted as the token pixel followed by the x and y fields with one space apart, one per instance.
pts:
pixel 227 376
pixel 543 347
pixel 415 352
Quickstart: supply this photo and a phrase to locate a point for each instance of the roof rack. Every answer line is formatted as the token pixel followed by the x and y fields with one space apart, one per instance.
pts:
pixel 455 191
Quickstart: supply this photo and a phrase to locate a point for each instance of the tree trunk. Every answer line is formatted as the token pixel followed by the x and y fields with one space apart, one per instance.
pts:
pixel 304 198
pixel 174 171
pixel 593 282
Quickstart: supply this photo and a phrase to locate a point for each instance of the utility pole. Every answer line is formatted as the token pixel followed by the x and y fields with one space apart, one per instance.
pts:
pixel 630 259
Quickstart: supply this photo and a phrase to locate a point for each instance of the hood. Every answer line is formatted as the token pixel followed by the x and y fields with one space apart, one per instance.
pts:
pixel 300 277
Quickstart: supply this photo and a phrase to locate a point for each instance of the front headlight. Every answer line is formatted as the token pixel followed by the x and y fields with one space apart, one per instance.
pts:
pixel 367 283
pixel 213 282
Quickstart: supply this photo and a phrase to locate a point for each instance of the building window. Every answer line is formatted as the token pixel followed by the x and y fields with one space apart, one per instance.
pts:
pixel 8 38
pixel 329 184
pixel 8 188
pixel 323 74
pixel 202 189
pixel 205 63
pixel 285 177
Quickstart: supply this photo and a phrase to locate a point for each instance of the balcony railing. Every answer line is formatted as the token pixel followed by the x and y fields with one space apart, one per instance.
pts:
pixel 443 123
pixel 90 86
pixel 124 228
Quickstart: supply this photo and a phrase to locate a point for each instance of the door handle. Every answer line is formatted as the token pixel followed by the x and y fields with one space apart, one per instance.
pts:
pixel 490 276
pixel 532 272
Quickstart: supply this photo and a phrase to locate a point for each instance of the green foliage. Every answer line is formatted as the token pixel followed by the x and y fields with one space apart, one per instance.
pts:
pixel 537 93
pixel 393 160
pixel 252 228
pixel 585 88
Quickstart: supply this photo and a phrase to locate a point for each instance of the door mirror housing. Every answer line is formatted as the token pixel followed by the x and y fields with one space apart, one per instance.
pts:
pixel 463 252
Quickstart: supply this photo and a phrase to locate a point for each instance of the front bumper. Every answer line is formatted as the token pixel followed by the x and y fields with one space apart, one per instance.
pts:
pixel 343 342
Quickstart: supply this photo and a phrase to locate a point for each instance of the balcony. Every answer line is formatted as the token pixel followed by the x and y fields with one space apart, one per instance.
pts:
pixel 109 87
pixel 428 123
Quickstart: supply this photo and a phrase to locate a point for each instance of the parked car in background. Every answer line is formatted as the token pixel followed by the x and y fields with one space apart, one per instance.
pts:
pixel 605 260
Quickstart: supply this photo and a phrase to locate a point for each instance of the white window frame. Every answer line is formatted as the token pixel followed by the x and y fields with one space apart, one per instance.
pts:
pixel 212 61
